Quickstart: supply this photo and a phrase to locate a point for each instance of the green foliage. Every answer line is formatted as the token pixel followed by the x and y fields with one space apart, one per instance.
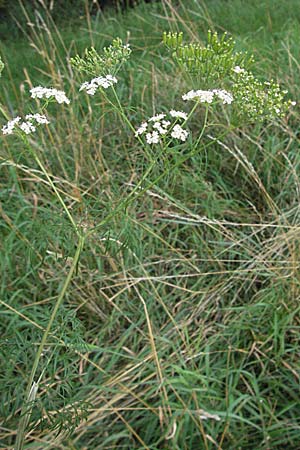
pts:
pixel 65 420
pixel 1 66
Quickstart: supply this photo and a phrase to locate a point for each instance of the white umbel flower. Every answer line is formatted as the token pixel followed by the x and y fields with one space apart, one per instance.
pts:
pixel 157 127
pixel 39 118
pixel 41 92
pixel 179 133
pixel 208 96
pixel 178 114
pixel 152 138
pixel 160 127
pixel 9 127
pixel 223 95
pixel 27 127
pixel 202 96
pixel 142 128
pixel 157 118
pixel 99 82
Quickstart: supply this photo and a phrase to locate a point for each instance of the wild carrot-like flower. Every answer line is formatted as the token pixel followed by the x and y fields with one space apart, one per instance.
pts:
pixel 39 118
pixel 142 128
pixel 162 127
pixel 9 127
pixel 157 118
pixel 217 62
pixel 41 92
pixel 179 133
pixel 99 82
pixel 27 126
pixel 179 114
pixel 208 96
pixel 157 126
pixel 152 138
pixel 223 95
pixel 258 100
pixel 202 96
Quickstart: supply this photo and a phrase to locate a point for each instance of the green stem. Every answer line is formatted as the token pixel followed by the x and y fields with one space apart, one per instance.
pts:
pixel 203 128
pixel 4 113
pixel 32 386
pixel 192 112
pixel 28 146
pixel 125 202
pixel 119 108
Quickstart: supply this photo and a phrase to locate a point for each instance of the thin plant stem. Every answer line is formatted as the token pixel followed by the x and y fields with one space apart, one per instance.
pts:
pixel 203 128
pixel 4 113
pixel 120 110
pixel 28 146
pixel 32 386
pixel 125 202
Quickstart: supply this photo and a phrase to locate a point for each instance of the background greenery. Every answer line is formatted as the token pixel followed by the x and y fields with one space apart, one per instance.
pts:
pixel 186 303
pixel 12 18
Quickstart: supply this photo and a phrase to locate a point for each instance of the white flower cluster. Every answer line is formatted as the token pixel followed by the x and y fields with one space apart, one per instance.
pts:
pixel 202 96
pixel 179 133
pixel 9 127
pixel 38 118
pixel 178 114
pixel 158 126
pixel 98 82
pixel 41 92
pixel 223 95
pixel 157 118
pixel 208 96
pixel 162 127
pixel 152 138
pixel 27 126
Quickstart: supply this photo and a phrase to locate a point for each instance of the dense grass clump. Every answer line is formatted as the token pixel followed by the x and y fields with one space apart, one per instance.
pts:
pixel 150 297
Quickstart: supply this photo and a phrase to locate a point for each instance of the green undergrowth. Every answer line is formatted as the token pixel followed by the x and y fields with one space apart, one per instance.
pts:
pixel 180 327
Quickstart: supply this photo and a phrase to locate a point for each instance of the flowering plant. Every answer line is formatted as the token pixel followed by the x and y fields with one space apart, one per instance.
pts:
pixel 224 81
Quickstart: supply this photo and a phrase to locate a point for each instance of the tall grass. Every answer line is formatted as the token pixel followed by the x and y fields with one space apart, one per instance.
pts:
pixel 180 326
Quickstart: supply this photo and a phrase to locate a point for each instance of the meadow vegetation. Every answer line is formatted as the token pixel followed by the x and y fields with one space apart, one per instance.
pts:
pixel 150 293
